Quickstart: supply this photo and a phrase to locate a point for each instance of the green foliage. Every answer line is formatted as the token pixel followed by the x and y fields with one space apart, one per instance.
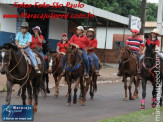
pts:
pixel 125 7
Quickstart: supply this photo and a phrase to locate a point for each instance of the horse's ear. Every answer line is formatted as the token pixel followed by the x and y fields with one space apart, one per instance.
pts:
pixel 66 47
pixel 1 47
pixel 146 44
pixel 153 45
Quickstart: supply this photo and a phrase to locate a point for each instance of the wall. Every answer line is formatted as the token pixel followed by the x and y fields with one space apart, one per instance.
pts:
pixel 8 26
pixel 56 28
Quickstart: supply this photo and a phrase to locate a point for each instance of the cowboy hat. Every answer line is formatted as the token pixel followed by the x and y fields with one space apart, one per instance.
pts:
pixel 37 28
pixel 90 30
pixel 25 24
pixel 80 28
pixel 156 31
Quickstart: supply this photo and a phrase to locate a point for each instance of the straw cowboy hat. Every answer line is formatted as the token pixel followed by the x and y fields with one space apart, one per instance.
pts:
pixel 25 24
pixel 156 31
pixel 37 28
pixel 90 30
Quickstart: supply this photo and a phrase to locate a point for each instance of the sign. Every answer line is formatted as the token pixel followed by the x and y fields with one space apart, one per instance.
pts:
pixel 17 112
pixel 134 22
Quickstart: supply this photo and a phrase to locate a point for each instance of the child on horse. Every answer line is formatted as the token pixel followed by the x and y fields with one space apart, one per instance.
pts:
pixel 23 41
pixel 92 47
pixel 80 41
pixel 134 43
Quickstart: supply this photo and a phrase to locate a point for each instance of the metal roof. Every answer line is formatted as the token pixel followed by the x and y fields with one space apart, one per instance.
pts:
pixel 87 8
pixel 151 24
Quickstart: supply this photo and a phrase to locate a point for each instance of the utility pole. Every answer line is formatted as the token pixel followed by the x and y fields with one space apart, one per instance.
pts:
pixel 143 16
pixel 159 19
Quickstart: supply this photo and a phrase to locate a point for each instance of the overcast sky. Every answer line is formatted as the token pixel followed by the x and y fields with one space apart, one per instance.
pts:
pixel 153 1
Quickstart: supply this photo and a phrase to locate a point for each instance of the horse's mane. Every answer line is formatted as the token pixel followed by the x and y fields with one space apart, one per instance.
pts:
pixel 9 46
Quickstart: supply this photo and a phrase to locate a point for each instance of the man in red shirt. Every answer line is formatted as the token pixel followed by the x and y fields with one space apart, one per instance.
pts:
pixel 80 41
pixel 92 47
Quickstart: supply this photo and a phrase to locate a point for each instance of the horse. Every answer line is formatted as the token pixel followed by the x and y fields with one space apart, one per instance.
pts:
pixel 152 70
pixel 93 79
pixel 129 69
pixel 74 71
pixel 18 71
pixel 55 67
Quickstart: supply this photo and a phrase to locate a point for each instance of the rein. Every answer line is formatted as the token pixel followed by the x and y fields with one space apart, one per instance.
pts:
pixel 150 69
pixel 75 67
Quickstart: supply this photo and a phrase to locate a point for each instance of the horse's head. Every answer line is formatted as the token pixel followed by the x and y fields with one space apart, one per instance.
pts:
pixel 54 60
pixel 150 50
pixel 124 53
pixel 71 57
pixel 5 56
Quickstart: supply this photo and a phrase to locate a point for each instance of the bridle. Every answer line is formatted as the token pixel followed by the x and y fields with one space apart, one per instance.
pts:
pixel 58 65
pixel 7 63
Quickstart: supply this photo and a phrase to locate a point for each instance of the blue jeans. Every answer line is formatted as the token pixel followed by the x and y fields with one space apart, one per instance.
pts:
pixel 31 55
pixel 95 59
pixel 41 53
pixel 138 55
pixel 63 62
pixel 86 61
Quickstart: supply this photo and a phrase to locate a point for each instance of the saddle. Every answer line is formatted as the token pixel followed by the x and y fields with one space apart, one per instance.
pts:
pixel 28 59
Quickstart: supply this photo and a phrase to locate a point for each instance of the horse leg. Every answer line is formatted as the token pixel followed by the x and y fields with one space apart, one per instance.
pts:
pixel 91 90
pixel 69 92
pixel 56 87
pixel 57 84
pixel 94 84
pixel 153 104
pixel 125 87
pixel 136 83
pixel 47 83
pixel 82 88
pixel 130 87
pixel 23 95
pixel 75 91
pixel 9 92
pixel 36 92
pixel 29 90
pixel 144 82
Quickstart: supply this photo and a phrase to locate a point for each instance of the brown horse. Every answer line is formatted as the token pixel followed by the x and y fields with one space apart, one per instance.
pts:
pixel 18 71
pixel 55 67
pixel 129 69
pixel 93 79
pixel 74 73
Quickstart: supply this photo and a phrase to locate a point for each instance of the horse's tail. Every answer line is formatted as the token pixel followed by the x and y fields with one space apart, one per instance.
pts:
pixel 100 65
pixel 42 89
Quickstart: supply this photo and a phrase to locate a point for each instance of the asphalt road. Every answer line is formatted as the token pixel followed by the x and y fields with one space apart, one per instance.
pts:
pixel 108 102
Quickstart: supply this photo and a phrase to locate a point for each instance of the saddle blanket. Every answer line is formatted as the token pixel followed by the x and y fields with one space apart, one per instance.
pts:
pixel 27 58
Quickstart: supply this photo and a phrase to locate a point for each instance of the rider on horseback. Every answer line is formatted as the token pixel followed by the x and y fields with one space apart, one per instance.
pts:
pixel 23 41
pixel 152 40
pixel 92 47
pixel 80 41
pixel 134 43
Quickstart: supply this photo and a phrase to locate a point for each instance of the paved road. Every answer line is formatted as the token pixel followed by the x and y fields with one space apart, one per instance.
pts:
pixel 108 102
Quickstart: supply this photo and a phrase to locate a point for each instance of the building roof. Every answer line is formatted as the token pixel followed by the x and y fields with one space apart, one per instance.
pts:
pixel 151 24
pixel 87 8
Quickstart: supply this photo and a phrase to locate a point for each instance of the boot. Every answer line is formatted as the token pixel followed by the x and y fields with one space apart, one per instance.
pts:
pixel 37 70
pixel 97 73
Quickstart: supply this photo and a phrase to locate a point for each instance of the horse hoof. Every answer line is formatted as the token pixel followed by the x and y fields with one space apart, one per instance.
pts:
pixel 66 95
pixel 74 102
pixel 131 98
pixel 48 91
pixel 91 98
pixel 68 104
pixel 136 96
pixel 34 110
pixel 82 102
pixel 125 99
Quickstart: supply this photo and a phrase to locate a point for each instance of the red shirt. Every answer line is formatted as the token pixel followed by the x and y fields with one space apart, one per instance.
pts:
pixel 62 46
pixel 150 41
pixel 81 41
pixel 36 41
pixel 92 43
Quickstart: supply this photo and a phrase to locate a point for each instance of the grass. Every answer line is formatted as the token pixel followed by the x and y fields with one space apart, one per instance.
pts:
pixel 4 89
pixel 138 116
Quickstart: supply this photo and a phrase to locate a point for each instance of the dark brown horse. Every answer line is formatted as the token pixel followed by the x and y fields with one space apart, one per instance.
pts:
pixel 74 74
pixel 18 71
pixel 93 79
pixel 55 67
pixel 129 69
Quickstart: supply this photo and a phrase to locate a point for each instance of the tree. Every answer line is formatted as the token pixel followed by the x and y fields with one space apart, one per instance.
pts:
pixel 125 7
